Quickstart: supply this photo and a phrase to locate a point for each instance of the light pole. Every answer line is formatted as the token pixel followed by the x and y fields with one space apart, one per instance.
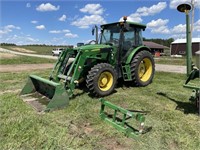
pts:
pixel 185 8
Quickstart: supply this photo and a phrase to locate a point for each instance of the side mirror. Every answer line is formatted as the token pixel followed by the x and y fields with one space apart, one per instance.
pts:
pixel 95 28
pixel 93 31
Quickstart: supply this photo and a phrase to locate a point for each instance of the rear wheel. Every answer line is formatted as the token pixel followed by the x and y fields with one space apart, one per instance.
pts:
pixel 142 68
pixel 101 79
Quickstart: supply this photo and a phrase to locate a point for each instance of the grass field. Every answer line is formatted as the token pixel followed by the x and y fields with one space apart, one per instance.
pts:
pixel 171 61
pixel 18 59
pixel 174 121
pixel 44 50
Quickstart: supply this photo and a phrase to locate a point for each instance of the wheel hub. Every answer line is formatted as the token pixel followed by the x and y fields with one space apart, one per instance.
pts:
pixel 145 69
pixel 105 81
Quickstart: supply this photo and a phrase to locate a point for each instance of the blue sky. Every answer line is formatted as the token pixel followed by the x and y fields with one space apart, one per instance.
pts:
pixel 65 22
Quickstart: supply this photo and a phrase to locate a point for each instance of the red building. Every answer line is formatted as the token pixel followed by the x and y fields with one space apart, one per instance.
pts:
pixel 178 47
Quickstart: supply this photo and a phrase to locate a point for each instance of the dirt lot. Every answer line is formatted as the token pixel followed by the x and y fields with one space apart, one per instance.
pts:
pixel 22 50
pixel 24 67
pixel 7 55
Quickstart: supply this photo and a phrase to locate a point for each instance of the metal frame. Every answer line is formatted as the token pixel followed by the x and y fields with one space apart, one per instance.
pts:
pixel 121 124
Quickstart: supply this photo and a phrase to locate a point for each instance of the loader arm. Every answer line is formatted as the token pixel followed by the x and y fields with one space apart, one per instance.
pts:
pixel 79 67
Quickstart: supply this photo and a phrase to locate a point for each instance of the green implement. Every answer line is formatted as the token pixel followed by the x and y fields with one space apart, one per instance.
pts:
pixel 43 94
pixel 121 124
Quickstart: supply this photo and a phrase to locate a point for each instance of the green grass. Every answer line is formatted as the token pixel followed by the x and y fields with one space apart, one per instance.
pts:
pixel 44 50
pixel 25 60
pixel 174 121
pixel 172 60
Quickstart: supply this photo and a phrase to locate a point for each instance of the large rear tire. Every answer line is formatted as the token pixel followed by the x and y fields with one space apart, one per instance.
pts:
pixel 101 79
pixel 142 68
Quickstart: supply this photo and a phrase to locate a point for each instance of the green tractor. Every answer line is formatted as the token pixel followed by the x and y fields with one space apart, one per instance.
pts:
pixel 120 53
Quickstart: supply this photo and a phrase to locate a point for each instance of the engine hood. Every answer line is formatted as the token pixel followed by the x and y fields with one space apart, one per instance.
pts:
pixel 92 47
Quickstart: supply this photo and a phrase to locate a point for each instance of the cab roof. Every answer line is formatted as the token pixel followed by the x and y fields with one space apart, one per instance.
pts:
pixel 132 24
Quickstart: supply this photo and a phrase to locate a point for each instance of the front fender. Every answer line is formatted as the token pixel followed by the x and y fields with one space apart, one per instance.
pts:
pixel 134 52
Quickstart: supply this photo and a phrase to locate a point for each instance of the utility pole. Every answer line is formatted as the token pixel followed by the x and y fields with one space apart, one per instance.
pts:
pixel 185 8
pixel 192 18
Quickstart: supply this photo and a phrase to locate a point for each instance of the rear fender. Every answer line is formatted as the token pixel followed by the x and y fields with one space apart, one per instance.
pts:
pixel 134 52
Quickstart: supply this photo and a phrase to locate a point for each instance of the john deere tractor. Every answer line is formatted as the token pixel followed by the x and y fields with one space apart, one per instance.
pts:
pixel 120 53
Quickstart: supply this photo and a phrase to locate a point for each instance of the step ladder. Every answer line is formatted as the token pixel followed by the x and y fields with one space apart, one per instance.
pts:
pixel 126 71
pixel 121 124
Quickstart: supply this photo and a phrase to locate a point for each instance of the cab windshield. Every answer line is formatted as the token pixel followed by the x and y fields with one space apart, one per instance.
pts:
pixel 110 34
pixel 130 38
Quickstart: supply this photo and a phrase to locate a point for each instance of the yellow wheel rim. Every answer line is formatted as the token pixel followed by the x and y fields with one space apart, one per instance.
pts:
pixel 145 69
pixel 105 81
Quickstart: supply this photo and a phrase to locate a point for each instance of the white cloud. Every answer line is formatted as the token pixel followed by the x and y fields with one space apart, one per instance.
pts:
pixel 178 36
pixel 174 3
pixel 67 33
pixel 28 5
pixel 161 30
pixel 40 27
pixel 59 31
pixel 88 20
pixel 3 32
pixel 93 9
pixel 181 28
pixel 146 11
pixel 73 18
pixel 179 31
pixel 34 21
pixel 55 31
pixel 62 18
pixel 20 39
pixel 56 40
pixel 32 40
pixel 149 11
pixel 65 30
pixel 157 23
pixel 47 7
pixel 8 28
pixel 70 35
pixel 133 18
pixel 197 26
pixel 159 26
pixel 95 17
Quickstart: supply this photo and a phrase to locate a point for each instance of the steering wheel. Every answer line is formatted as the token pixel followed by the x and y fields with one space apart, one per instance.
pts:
pixel 91 42
pixel 114 41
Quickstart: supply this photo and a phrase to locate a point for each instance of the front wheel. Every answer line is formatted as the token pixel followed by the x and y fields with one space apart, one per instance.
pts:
pixel 142 68
pixel 101 79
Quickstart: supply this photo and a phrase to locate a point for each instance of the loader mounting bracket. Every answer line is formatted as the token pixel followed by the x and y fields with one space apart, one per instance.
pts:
pixel 122 124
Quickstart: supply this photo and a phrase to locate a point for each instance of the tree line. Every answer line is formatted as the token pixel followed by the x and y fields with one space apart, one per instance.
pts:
pixel 39 45
pixel 8 44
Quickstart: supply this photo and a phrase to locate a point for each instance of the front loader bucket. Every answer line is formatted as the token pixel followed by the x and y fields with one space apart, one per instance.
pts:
pixel 43 94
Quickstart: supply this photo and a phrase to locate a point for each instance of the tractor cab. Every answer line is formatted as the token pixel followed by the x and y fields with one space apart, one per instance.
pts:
pixel 124 35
